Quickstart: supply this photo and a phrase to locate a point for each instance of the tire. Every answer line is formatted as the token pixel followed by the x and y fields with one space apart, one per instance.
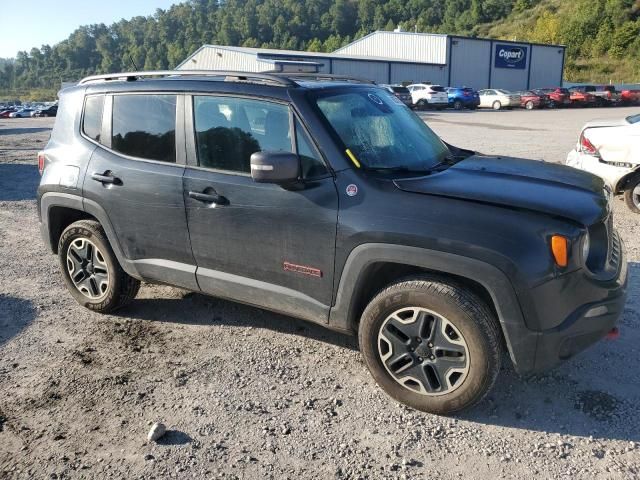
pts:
pixel 470 326
pixel 422 104
pixel 496 105
pixel 84 251
pixel 529 105
pixel 457 105
pixel 632 195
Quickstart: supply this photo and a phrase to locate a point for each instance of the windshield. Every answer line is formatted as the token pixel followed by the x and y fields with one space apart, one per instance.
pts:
pixel 634 118
pixel 381 131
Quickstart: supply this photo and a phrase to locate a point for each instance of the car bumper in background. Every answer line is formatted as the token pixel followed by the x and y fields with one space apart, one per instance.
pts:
pixel 611 174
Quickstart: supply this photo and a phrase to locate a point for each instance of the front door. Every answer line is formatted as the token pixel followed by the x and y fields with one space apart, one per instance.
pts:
pixel 260 244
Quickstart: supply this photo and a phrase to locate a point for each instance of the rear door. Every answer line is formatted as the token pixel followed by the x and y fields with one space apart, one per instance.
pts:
pixel 260 244
pixel 135 176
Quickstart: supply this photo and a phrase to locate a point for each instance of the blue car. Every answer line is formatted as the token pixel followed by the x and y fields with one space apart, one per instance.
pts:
pixel 463 97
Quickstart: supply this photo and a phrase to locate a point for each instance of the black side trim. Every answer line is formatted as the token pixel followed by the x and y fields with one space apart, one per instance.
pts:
pixel 520 341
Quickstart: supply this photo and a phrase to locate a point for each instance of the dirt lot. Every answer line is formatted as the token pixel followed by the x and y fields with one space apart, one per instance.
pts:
pixel 251 394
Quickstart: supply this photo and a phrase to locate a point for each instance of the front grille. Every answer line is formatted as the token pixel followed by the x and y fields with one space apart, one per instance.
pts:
pixel 610 237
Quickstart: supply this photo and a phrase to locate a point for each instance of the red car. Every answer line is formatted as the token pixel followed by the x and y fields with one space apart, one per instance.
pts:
pixel 558 96
pixel 530 99
pixel 581 98
pixel 5 113
pixel 630 96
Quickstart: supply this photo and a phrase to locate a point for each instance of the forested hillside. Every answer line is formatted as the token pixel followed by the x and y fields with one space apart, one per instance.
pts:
pixel 603 36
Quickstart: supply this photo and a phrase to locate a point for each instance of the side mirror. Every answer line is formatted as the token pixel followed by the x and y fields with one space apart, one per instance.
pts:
pixel 275 167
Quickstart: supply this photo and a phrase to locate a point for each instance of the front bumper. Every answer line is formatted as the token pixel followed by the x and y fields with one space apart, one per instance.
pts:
pixel 586 324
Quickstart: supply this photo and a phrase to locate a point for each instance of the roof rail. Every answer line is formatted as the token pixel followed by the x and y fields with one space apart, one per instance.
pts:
pixel 322 76
pixel 228 76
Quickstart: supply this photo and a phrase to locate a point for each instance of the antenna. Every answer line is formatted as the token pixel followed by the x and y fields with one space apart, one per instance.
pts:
pixel 133 63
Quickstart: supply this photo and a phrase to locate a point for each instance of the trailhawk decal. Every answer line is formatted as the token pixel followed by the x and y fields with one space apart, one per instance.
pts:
pixel 510 56
pixel 292 267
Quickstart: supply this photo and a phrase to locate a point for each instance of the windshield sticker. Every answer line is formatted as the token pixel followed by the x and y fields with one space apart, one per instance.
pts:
pixel 375 99
pixel 352 190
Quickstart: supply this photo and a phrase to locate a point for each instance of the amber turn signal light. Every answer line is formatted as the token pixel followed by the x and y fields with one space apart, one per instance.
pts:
pixel 560 250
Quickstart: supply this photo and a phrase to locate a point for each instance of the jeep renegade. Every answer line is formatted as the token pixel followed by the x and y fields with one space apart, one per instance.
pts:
pixel 327 199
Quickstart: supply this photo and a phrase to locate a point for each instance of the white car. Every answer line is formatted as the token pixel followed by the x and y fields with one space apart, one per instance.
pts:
pixel 496 98
pixel 424 95
pixel 23 113
pixel 611 150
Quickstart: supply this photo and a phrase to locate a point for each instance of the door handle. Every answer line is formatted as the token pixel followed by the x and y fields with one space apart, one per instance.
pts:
pixel 210 197
pixel 106 177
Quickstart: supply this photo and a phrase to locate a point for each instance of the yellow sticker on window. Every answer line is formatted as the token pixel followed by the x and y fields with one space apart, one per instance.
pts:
pixel 353 158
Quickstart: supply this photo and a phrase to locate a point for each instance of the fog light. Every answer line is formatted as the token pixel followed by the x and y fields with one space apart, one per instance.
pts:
pixel 597 311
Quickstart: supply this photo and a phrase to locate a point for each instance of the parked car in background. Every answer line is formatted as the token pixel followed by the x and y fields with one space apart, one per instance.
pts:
pixel 606 94
pixel 463 97
pixel 401 92
pixel 497 98
pixel 428 96
pixel 558 96
pixel 630 96
pixel 530 99
pixel 22 113
pixel 611 150
pixel 51 111
pixel 7 112
pixel 581 98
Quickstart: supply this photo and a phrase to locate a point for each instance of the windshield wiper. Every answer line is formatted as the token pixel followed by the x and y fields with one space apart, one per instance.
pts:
pixel 447 162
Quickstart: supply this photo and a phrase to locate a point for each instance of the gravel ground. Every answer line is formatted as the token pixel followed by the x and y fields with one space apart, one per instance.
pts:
pixel 249 394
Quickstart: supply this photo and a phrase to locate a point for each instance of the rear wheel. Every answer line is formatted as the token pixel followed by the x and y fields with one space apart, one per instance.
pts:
pixel 431 344
pixel 422 104
pixel 91 270
pixel 457 105
pixel 496 105
pixel 632 195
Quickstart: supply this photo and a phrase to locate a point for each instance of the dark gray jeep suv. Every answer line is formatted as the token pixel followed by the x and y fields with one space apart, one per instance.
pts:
pixel 327 199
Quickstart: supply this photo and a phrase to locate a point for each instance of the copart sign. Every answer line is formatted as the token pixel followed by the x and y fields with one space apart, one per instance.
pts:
pixel 510 56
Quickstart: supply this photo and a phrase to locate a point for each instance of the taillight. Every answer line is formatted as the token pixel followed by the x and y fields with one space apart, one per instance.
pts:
pixel 586 146
pixel 40 162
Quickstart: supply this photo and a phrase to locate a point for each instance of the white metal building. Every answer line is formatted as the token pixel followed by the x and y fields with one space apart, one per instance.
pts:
pixel 403 57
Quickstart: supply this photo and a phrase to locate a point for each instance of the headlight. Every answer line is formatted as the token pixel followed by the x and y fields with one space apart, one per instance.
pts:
pixel 586 246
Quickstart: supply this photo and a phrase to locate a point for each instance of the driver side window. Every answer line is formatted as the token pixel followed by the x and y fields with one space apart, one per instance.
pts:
pixel 229 130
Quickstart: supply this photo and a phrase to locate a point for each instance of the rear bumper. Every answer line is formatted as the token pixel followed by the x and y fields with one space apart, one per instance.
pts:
pixel 589 322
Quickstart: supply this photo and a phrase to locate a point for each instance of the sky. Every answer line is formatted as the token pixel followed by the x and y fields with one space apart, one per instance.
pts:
pixel 33 23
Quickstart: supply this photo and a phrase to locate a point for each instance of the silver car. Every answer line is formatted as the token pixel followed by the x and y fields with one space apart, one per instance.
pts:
pixel 496 98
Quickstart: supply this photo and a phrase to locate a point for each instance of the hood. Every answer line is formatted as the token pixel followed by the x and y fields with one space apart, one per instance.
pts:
pixel 516 183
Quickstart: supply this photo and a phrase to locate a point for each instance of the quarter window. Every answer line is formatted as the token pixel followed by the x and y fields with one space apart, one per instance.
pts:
pixel 144 126
pixel 229 130
pixel 92 121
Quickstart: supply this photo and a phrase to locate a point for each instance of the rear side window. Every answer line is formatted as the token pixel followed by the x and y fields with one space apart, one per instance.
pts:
pixel 400 89
pixel 144 126
pixel 229 130
pixel 92 120
pixel 437 88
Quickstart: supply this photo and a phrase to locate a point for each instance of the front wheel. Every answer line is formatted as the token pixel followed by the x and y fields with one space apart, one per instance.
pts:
pixel 431 344
pixel 529 105
pixel 91 270
pixel 632 195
